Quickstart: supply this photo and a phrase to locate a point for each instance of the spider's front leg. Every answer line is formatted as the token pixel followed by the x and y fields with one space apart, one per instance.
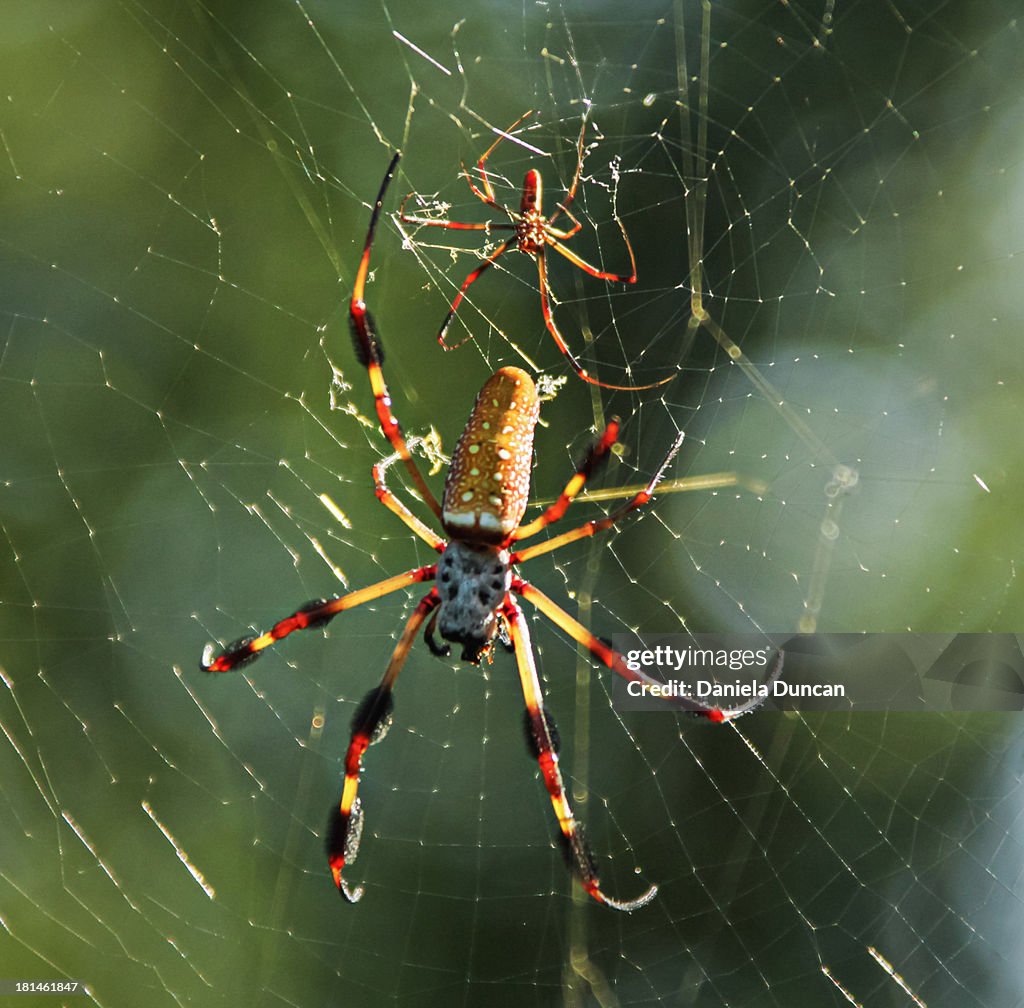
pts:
pixel 312 615
pixel 542 738
pixel 370 350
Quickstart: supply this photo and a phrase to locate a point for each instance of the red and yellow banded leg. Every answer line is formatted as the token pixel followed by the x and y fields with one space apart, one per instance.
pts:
pixel 600 524
pixel 317 613
pixel 542 737
pixel 369 725
pixel 371 353
pixel 612 659
pixel 396 506
pixel 595 455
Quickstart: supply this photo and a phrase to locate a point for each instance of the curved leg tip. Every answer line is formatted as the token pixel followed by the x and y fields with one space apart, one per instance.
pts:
pixel 626 906
pixel 350 894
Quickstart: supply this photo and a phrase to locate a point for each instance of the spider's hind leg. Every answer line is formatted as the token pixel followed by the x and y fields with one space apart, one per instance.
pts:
pixel 543 742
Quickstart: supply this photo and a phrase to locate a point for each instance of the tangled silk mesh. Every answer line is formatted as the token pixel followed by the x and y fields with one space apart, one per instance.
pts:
pixel 831 188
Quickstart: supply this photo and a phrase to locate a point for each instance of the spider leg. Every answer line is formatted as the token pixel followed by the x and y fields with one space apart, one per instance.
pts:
pixel 549 321
pixel 596 453
pixel 615 661
pixel 313 614
pixel 600 524
pixel 571 193
pixel 437 650
pixel 560 233
pixel 487 194
pixel 552 240
pixel 549 318
pixel 460 225
pixel 371 353
pixel 453 225
pixel 396 506
pixel 466 284
pixel 542 738
pixel 555 235
pixel 369 725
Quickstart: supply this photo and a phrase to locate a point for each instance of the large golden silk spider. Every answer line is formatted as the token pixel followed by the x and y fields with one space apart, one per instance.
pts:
pixel 476 585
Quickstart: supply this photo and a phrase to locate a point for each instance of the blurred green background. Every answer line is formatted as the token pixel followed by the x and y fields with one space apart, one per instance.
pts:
pixel 185 192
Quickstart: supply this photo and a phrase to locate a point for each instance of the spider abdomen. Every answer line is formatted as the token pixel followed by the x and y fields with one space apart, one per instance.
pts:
pixel 488 481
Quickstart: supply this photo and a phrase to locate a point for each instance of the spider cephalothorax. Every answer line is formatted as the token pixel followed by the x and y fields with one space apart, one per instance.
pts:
pixel 475 596
pixel 472 582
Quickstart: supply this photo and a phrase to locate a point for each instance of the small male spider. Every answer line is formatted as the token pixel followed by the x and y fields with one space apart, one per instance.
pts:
pixel 474 599
pixel 532 232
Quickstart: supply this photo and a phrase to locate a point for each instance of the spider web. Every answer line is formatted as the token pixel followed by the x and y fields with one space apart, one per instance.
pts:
pixel 186 188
